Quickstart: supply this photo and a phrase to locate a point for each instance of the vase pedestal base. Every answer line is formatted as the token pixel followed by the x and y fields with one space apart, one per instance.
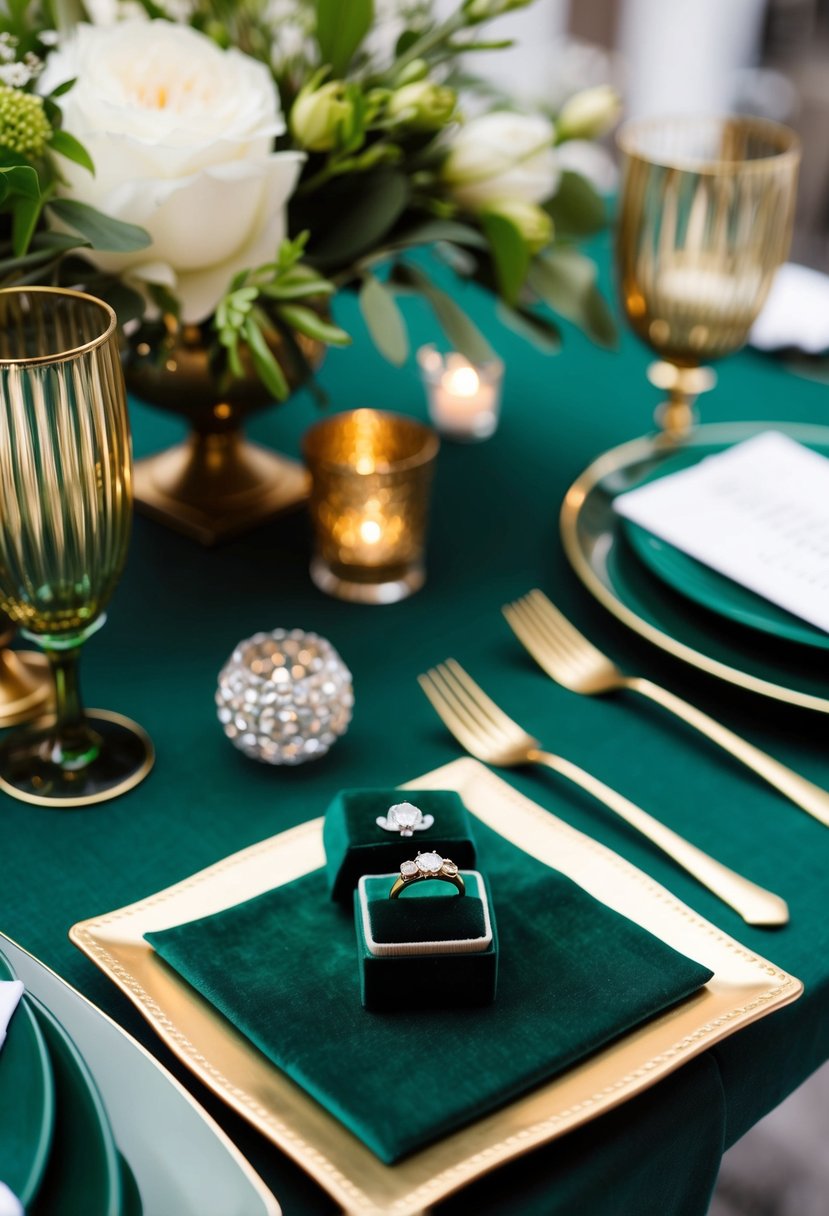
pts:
pixel 213 487
pixel 26 685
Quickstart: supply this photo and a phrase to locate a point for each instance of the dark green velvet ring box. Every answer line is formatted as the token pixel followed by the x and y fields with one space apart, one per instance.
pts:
pixel 355 845
pixel 427 949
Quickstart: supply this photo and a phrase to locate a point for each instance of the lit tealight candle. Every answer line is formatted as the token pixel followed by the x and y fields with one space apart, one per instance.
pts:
pixel 371 472
pixel 464 401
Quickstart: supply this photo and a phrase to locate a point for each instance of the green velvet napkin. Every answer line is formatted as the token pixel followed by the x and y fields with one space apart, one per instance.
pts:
pixel 573 975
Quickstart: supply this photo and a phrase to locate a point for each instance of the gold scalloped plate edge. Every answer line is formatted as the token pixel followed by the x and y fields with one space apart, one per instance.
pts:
pixel 745 988
pixel 633 452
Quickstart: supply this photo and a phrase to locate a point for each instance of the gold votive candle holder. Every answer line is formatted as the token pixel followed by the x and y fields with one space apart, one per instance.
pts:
pixel 371 475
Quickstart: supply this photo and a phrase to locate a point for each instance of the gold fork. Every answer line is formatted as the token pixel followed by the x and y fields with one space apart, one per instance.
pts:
pixel 484 729
pixel 568 657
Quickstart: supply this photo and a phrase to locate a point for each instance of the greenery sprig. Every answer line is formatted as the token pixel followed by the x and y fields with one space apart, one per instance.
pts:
pixel 285 295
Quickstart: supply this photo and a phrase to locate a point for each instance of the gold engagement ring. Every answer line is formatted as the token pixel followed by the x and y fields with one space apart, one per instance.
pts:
pixel 427 867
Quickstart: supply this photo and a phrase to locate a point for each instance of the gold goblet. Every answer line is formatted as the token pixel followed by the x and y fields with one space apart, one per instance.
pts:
pixel 706 218
pixel 65 515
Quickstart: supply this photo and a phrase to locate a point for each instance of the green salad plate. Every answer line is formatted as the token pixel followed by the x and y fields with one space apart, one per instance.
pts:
pixel 27 1101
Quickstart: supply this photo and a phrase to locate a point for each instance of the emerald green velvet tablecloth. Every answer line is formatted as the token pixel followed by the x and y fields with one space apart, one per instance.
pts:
pixel 494 534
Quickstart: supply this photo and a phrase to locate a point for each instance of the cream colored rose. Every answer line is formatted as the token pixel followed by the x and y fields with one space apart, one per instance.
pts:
pixel 181 134
pixel 502 156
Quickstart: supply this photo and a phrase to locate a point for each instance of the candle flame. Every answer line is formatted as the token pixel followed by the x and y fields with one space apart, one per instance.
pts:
pixel 462 382
pixel 370 531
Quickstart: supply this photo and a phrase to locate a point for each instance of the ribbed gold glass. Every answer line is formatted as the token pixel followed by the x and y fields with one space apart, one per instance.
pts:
pixel 65 516
pixel 707 208
pixel 371 473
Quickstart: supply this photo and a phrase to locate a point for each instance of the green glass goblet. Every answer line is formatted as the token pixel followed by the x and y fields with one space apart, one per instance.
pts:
pixel 65 517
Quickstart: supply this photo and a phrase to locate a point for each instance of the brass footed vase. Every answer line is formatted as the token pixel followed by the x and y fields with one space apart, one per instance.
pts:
pixel 26 687
pixel 215 484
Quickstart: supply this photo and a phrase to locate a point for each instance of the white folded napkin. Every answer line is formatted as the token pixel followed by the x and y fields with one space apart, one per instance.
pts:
pixel 10 1205
pixel 796 313
pixel 10 993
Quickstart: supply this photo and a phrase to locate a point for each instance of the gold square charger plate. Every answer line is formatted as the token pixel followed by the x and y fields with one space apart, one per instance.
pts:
pixel 744 988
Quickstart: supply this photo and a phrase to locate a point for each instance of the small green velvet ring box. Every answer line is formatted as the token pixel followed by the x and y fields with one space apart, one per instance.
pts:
pixel 425 950
pixel 356 845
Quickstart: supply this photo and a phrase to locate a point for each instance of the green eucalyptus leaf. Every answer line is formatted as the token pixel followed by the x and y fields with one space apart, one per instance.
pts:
pixel 25 214
pixel 384 320
pixel 510 255
pixel 406 40
pixel 480 44
pixel 62 89
pixel 461 332
pixel 299 290
pixel 310 323
pixel 441 230
pixel 267 368
pixel 234 360
pixel 102 231
pixel 40 254
pixel 566 281
pixel 577 209
pixel 71 148
pixel 21 180
pixel 340 28
pixel 539 330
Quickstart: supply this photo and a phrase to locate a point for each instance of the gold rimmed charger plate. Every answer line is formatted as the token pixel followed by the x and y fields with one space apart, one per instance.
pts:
pixel 611 572
pixel 744 988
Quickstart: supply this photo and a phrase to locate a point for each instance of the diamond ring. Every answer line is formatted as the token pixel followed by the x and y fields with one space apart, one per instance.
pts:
pixel 425 868
pixel 405 818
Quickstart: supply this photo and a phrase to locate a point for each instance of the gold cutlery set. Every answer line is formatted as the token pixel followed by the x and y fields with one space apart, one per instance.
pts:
pixel 486 732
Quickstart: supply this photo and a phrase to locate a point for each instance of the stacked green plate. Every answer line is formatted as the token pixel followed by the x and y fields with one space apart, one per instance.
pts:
pixel 27 1102
pixel 57 1150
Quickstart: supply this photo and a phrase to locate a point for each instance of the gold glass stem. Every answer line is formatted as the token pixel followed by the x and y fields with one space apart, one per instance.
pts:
pixel 75 744
pixel 677 415
pixel 756 905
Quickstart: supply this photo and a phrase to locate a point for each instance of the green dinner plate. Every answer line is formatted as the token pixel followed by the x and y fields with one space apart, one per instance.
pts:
pixel 84 1170
pixel 705 586
pixel 27 1101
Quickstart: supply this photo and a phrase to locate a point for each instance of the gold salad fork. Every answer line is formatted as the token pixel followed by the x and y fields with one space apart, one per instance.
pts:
pixel 484 729
pixel 572 661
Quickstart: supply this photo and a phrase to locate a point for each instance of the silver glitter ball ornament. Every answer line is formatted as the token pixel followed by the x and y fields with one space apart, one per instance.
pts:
pixel 284 697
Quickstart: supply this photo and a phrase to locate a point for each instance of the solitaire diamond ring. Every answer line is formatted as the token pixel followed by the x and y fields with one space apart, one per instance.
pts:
pixel 427 867
pixel 405 818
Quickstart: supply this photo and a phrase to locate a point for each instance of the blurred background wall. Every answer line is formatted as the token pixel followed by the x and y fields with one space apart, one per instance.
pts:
pixel 767 57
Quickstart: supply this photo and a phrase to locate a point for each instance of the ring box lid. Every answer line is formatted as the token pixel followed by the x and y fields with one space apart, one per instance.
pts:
pixel 355 845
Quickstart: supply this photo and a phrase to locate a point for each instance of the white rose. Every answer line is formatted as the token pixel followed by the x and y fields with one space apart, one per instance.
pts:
pixel 181 134
pixel 502 156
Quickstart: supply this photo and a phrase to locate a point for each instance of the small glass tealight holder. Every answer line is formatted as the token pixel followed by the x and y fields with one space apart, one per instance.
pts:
pixel 371 473
pixel 464 400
